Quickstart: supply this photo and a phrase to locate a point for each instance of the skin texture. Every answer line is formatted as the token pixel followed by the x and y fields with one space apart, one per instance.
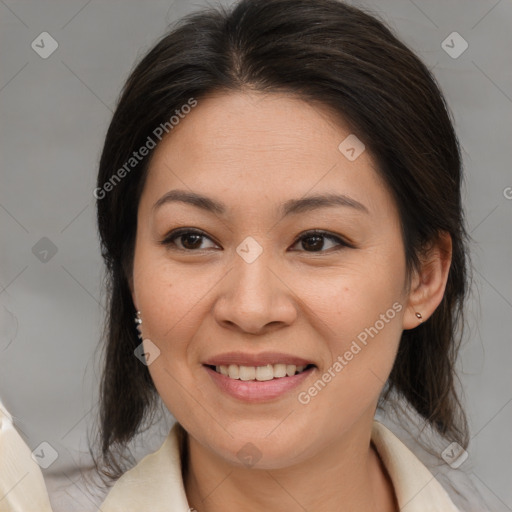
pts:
pixel 254 151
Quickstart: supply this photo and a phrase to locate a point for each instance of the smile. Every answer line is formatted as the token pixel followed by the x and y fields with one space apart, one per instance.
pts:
pixel 259 383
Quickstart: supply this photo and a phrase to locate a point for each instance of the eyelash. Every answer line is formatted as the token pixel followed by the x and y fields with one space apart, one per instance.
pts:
pixel 168 241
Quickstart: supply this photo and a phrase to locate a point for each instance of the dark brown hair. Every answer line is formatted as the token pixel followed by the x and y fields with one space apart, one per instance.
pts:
pixel 324 52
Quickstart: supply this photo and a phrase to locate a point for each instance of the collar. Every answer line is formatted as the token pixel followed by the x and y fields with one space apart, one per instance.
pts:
pixel 155 483
pixel 416 488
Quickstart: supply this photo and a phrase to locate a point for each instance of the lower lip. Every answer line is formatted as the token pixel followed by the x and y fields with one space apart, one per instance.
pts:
pixel 258 391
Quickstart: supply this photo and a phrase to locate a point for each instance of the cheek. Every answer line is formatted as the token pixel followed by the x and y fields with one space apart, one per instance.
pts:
pixel 351 298
pixel 168 292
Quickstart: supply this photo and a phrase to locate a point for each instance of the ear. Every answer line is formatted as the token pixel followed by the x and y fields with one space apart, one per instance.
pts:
pixel 429 282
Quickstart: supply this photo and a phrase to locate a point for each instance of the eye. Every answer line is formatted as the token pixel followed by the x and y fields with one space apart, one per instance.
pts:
pixel 191 239
pixel 314 241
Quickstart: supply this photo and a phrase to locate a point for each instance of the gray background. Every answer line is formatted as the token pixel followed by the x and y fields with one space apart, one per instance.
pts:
pixel 54 115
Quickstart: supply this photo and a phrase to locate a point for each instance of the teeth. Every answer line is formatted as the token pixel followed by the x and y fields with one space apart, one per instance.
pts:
pixel 233 371
pixel 259 373
pixel 290 369
pixel 265 372
pixel 279 370
pixel 246 372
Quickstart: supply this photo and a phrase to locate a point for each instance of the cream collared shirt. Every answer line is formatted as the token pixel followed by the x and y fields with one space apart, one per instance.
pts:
pixel 155 484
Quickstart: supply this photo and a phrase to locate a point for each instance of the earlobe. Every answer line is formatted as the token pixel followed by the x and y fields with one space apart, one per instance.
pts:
pixel 429 283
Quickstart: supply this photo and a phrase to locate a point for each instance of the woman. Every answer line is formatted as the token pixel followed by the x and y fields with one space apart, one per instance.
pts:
pixel 280 214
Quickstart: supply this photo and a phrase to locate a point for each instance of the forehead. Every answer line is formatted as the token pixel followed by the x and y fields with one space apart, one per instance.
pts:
pixel 261 145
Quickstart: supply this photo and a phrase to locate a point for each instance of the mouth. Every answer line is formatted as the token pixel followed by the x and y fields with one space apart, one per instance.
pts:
pixel 257 384
pixel 262 377
pixel 260 373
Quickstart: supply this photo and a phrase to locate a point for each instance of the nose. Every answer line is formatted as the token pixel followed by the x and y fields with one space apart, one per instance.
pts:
pixel 254 298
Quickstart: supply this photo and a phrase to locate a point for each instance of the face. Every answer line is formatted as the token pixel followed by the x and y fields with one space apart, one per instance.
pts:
pixel 247 284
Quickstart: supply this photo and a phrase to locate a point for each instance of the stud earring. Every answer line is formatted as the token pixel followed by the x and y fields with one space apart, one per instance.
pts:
pixel 418 315
pixel 138 321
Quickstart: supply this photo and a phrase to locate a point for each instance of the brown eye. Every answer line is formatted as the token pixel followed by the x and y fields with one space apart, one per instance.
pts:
pixel 191 241
pixel 314 241
pixel 185 239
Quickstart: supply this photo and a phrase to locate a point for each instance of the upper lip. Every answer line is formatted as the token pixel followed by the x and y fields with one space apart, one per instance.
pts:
pixel 262 359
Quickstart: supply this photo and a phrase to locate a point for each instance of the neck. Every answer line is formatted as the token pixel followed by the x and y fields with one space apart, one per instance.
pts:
pixel 345 475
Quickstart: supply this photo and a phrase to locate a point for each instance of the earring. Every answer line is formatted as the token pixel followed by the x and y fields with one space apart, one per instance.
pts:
pixel 138 321
pixel 418 315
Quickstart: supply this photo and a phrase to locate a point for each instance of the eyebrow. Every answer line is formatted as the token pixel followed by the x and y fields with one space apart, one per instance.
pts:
pixel 290 207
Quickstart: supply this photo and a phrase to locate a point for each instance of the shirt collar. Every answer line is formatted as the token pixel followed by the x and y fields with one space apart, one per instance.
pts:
pixel 416 488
